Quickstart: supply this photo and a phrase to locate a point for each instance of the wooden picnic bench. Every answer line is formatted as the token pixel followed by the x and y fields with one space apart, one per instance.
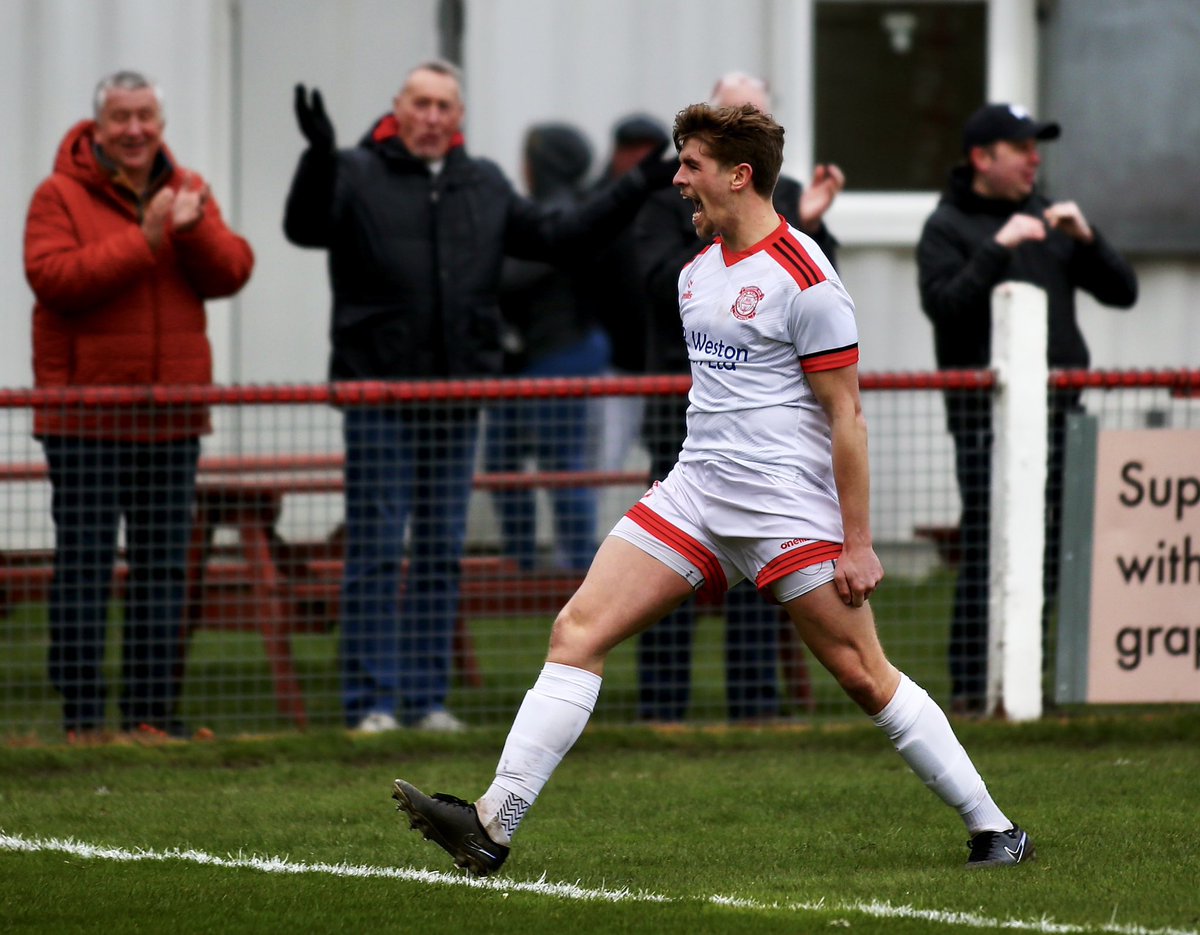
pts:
pixel 262 583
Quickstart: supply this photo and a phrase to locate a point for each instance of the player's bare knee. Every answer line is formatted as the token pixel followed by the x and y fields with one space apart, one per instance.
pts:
pixel 571 638
pixel 864 687
pixel 857 684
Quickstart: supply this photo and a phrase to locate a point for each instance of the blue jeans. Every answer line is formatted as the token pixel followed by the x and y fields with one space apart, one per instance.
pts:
pixel 408 471
pixel 556 433
pixel 95 483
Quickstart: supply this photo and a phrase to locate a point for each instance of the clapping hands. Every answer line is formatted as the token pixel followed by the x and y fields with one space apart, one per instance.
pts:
pixel 1064 216
pixel 1067 217
pixel 178 210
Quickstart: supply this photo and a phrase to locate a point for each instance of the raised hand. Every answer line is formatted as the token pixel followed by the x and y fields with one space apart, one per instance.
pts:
pixel 314 122
pixel 827 183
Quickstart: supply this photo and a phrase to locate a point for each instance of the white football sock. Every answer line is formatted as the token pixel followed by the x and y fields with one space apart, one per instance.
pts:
pixel 925 740
pixel 550 720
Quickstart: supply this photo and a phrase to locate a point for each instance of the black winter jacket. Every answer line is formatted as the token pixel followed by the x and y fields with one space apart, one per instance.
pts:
pixel 414 259
pixel 537 300
pixel 667 241
pixel 959 263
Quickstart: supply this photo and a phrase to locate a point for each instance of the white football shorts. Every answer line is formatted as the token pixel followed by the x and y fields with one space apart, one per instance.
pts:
pixel 717 523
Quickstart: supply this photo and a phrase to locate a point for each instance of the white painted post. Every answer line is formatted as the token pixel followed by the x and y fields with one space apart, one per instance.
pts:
pixel 1019 420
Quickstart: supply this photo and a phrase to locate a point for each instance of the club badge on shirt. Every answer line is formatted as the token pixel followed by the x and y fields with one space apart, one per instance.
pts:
pixel 747 301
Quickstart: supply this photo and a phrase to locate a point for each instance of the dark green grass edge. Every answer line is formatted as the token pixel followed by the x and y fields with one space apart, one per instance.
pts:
pixel 1177 725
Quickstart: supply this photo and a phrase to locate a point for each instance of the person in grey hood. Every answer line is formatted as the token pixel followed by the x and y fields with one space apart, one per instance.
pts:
pixel 416 230
pixel 549 333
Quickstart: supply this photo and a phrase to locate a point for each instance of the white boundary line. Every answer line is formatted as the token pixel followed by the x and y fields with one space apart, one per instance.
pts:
pixel 879 910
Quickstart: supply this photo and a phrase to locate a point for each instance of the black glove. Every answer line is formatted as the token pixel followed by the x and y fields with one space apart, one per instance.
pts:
pixel 314 122
pixel 658 172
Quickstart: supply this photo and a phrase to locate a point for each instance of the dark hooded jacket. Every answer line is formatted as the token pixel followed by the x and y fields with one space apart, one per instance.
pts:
pixel 415 258
pixel 540 302
pixel 959 263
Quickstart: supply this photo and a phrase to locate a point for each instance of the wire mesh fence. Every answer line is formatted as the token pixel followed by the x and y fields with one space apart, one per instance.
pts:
pixel 329 554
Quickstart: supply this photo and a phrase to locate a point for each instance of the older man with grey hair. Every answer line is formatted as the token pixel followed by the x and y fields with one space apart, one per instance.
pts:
pixel 416 229
pixel 123 246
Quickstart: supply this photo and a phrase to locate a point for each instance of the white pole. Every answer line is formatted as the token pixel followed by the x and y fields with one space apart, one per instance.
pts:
pixel 1019 421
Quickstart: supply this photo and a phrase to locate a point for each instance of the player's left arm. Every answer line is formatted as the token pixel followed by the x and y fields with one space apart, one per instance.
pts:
pixel 859 570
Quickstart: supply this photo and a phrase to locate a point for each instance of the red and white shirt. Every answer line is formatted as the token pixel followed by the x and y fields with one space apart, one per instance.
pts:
pixel 755 323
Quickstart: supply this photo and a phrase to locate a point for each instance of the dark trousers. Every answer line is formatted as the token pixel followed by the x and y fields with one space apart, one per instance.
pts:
pixel 664 655
pixel 557 434
pixel 95 484
pixel 970 421
pixel 408 474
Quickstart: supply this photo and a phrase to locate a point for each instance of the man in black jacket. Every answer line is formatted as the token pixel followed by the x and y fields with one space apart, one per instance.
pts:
pixel 666 241
pixel 992 226
pixel 416 230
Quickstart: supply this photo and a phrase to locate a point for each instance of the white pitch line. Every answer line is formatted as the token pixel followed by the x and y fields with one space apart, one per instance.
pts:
pixel 879 910
pixel 17 842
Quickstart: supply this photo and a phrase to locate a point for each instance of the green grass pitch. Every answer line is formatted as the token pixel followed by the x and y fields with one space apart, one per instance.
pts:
pixel 695 830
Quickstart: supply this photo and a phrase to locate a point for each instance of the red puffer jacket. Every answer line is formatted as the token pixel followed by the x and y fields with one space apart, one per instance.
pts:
pixel 111 311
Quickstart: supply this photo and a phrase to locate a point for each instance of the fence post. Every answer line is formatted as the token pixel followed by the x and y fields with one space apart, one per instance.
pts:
pixel 1019 421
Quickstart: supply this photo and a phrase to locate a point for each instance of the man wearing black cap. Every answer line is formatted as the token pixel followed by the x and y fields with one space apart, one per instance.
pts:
pixel 992 226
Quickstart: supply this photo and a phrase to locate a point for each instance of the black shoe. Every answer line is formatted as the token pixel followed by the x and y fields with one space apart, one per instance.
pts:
pixel 453 826
pixel 1000 849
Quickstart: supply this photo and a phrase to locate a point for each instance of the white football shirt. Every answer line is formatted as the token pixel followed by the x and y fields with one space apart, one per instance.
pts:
pixel 755 322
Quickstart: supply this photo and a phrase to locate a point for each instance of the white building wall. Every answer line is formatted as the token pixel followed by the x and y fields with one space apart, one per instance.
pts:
pixel 52 52
pixel 228 68
pixel 356 52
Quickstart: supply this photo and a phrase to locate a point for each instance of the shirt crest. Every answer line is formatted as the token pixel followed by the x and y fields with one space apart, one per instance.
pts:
pixel 744 305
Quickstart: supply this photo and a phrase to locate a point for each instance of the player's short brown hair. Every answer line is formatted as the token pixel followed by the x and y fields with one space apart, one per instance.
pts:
pixel 733 135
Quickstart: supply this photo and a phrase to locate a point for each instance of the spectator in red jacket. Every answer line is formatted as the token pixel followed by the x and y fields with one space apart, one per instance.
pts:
pixel 122 248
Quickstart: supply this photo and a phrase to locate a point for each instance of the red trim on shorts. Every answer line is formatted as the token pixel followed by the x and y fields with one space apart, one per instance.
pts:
pixel 687 546
pixel 804 556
